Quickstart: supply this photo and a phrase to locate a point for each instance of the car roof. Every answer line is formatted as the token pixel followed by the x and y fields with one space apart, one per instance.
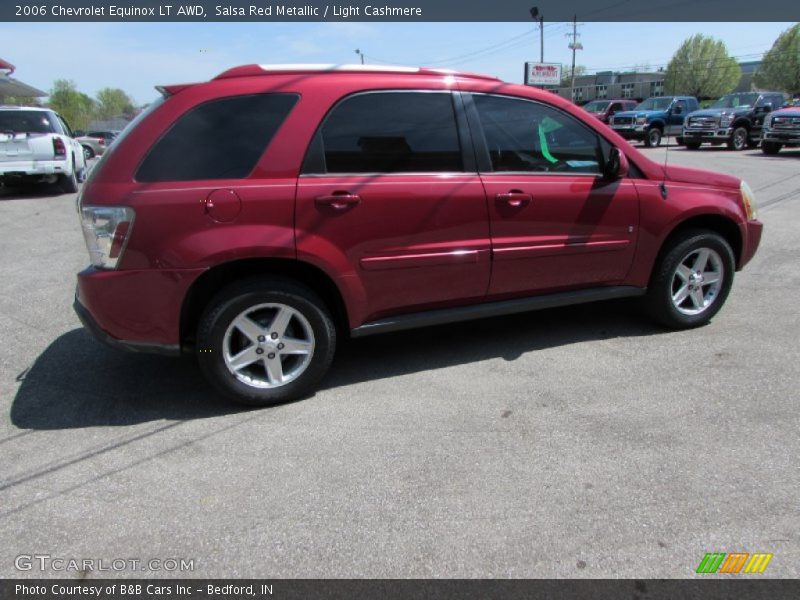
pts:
pixel 321 69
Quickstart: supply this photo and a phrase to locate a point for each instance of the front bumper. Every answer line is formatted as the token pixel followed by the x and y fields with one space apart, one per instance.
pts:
pixel 782 137
pixel 136 310
pixel 33 168
pixel 751 234
pixel 631 132
pixel 721 134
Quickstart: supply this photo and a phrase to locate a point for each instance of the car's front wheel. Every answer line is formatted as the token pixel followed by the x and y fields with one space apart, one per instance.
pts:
pixel 738 139
pixel 770 147
pixel 691 280
pixel 265 341
pixel 653 137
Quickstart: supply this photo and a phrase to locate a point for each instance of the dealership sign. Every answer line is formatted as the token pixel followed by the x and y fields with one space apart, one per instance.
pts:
pixel 542 73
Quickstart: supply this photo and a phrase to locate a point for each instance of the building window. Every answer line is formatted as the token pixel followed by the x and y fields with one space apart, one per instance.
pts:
pixel 627 90
pixel 601 91
pixel 656 88
pixel 577 95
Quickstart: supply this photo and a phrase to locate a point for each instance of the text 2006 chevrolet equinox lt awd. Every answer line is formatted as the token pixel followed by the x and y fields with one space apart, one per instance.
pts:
pixel 257 217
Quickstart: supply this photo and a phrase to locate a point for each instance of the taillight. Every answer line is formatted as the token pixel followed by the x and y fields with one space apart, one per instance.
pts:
pixel 59 149
pixel 101 141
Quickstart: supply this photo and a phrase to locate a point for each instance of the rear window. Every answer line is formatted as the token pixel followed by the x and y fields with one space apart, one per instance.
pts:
pixel 25 121
pixel 221 139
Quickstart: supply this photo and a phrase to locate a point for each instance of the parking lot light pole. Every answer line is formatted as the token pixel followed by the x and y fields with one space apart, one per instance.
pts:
pixel 534 14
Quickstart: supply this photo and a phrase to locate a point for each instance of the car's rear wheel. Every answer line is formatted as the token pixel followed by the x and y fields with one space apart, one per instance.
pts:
pixel 266 341
pixel 88 153
pixel 68 182
pixel 692 280
pixel 738 139
pixel 770 147
pixel 653 137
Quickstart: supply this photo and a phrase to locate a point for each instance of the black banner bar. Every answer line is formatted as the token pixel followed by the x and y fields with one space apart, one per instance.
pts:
pixel 397 10
pixel 405 589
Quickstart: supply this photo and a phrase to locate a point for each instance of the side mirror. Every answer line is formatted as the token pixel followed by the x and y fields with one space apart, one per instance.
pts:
pixel 616 166
pixel 678 110
pixel 765 108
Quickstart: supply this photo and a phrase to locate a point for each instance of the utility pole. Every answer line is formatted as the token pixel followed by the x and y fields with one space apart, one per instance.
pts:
pixel 574 46
pixel 534 14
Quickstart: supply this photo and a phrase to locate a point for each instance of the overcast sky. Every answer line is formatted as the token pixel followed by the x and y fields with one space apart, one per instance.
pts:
pixel 138 56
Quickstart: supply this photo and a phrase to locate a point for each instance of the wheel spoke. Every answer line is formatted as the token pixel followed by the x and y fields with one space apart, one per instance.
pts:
pixel 697 297
pixel 680 295
pixel 701 260
pixel 710 277
pixel 244 358
pixel 274 369
pixel 294 346
pixel 684 273
pixel 249 328
pixel 281 321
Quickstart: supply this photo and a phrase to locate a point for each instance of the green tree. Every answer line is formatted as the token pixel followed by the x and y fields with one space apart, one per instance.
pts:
pixel 566 74
pixel 702 67
pixel 114 102
pixel 780 68
pixel 76 107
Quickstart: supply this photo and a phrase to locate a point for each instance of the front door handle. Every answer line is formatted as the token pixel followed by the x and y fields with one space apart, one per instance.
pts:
pixel 338 200
pixel 515 198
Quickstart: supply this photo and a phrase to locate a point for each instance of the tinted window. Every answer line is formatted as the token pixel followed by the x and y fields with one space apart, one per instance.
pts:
pixel 25 121
pixel 390 133
pixel 527 136
pixel 221 139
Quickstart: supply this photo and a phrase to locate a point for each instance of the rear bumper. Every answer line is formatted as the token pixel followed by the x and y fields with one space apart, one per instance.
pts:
pixel 752 238
pixel 134 310
pixel 33 168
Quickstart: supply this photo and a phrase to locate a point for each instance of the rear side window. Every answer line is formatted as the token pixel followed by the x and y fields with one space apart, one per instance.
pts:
pixel 388 132
pixel 221 139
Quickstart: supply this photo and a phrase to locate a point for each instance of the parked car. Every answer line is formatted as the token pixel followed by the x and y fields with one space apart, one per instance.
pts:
pixel 654 118
pixel 734 119
pixel 605 109
pixel 781 129
pixel 37 145
pixel 95 142
pixel 350 201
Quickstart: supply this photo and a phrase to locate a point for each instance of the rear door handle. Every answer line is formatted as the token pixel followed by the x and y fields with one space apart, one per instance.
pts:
pixel 338 200
pixel 515 198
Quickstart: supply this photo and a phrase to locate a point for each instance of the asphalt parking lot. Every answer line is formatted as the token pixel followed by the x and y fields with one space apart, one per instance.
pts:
pixel 579 442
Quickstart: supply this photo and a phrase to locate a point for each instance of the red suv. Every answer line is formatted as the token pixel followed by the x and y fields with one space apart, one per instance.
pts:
pixel 255 218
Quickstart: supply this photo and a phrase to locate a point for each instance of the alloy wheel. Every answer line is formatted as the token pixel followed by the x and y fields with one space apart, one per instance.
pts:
pixel 697 281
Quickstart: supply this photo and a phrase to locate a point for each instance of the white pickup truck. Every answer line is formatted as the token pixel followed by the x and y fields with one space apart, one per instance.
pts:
pixel 36 144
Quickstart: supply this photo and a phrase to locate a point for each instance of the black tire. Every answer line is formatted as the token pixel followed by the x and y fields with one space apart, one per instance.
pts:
pixel 88 152
pixel 69 182
pixel 652 138
pixel 680 141
pixel 249 294
pixel 693 145
pixel 659 299
pixel 770 147
pixel 738 139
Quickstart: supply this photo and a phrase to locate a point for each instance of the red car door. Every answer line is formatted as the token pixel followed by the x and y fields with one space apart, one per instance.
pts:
pixel 385 196
pixel 556 222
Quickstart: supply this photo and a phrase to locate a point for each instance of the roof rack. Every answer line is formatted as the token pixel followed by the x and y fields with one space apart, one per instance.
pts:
pixel 256 70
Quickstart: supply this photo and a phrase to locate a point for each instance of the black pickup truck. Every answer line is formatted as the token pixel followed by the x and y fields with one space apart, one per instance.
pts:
pixel 735 120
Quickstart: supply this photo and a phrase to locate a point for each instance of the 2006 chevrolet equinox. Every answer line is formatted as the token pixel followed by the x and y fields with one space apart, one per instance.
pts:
pixel 255 218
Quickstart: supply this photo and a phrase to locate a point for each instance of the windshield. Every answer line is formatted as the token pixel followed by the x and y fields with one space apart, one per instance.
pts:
pixel 596 107
pixel 655 103
pixel 736 100
pixel 25 121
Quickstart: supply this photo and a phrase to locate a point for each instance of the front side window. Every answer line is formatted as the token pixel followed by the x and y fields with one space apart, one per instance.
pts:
pixel 389 132
pixel 522 135
pixel 220 139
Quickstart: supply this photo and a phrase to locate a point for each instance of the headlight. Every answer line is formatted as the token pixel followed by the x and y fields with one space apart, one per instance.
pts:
pixel 725 120
pixel 748 200
pixel 106 230
pixel 641 120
